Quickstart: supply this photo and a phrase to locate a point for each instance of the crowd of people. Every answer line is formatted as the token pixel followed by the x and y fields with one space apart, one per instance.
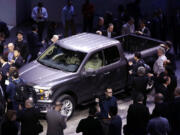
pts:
pixel 21 114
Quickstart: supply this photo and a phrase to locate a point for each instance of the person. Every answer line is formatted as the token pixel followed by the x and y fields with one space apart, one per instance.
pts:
pixel 173 84
pixel 100 25
pixel 175 113
pixel 138 62
pixel 159 103
pixel 10 126
pixel 139 84
pixel 163 88
pixel 88 16
pixel 4 70
pixel 137 118
pixel 107 101
pixel 158 66
pixel 10 53
pixel 158 125
pixel 56 122
pixel 11 91
pixel 17 60
pixel 143 30
pixel 68 18
pixel 4 29
pixel 94 63
pixel 128 27
pixel 34 42
pixel 29 118
pixel 2 40
pixel 53 40
pixel 122 17
pixel 2 101
pixel 116 122
pixel 4 65
pixel 170 54
pixel 40 15
pixel 90 125
pixel 21 44
pixel 51 30
pixel 109 32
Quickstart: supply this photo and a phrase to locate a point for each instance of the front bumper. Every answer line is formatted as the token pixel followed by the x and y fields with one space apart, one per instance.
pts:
pixel 44 105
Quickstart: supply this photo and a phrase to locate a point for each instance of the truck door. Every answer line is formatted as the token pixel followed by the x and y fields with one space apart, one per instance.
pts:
pixel 94 77
pixel 116 66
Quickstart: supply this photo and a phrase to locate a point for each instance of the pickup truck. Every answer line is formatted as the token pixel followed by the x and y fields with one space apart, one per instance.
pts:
pixel 77 69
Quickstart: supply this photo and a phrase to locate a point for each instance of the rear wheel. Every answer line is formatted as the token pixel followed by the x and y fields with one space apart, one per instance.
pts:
pixel 68 105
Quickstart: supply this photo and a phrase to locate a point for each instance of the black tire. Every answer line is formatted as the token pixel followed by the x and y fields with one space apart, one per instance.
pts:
pixel 65 99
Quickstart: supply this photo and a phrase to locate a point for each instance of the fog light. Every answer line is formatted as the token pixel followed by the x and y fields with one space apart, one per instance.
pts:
pixel 41 91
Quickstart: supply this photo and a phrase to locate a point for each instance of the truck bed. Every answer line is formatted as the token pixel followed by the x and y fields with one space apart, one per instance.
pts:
pixel 132 43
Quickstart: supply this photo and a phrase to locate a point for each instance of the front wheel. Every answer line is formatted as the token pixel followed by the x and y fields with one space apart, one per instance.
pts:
pixel 68 105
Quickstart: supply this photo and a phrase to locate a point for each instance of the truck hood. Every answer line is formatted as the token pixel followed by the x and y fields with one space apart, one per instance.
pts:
pixel 35 73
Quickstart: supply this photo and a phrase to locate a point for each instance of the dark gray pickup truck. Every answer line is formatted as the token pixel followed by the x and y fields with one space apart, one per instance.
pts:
pixel 78 68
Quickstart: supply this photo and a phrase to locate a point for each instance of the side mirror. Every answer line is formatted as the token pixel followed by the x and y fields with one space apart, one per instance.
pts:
pixel 88 73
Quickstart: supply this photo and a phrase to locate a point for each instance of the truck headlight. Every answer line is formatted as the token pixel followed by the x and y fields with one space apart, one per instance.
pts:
pixel 43 93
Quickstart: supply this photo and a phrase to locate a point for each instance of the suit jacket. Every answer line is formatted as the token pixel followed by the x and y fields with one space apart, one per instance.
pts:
pixel 105 33
pixel 23 47
pixel 5 69
pixel 163 90
pixel 137 119
pixel 170 54
pixel 115 126
pixel 19 62
pixel 29 119
pixel 146 32
pixel 56 123
pixel 89 126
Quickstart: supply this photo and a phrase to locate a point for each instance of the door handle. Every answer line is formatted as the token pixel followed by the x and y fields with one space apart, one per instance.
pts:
pixel 107 73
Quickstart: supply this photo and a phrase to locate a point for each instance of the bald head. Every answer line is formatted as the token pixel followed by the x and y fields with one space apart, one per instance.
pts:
pixel 29 103
pixel 159 98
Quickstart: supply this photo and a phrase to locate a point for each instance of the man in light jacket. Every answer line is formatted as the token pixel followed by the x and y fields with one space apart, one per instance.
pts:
pixel 56 122
pixel 159 63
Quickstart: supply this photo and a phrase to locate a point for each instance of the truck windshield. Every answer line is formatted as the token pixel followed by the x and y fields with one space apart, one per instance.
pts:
pixel 62 59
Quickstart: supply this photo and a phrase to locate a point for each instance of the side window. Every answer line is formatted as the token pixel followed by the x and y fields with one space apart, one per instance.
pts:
pixel 95 62
pixel 111 55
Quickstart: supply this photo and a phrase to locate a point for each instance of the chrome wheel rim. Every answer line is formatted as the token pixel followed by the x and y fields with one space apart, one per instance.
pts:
pixel 67 108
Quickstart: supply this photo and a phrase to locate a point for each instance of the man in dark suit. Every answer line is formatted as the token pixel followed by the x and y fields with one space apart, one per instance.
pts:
pixel 175 113
pixel 33 42
pixel 137 118
pixel 5 65
pixel 139 84
pixel 163 87
pixel 109 32
pixel 21 44
pixel 170 54
pixel 90 125
pixel 17 60
pixel 29 118
pixel 143 30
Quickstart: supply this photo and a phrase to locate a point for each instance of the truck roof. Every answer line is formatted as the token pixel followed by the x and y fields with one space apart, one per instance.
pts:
pixel 86 42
